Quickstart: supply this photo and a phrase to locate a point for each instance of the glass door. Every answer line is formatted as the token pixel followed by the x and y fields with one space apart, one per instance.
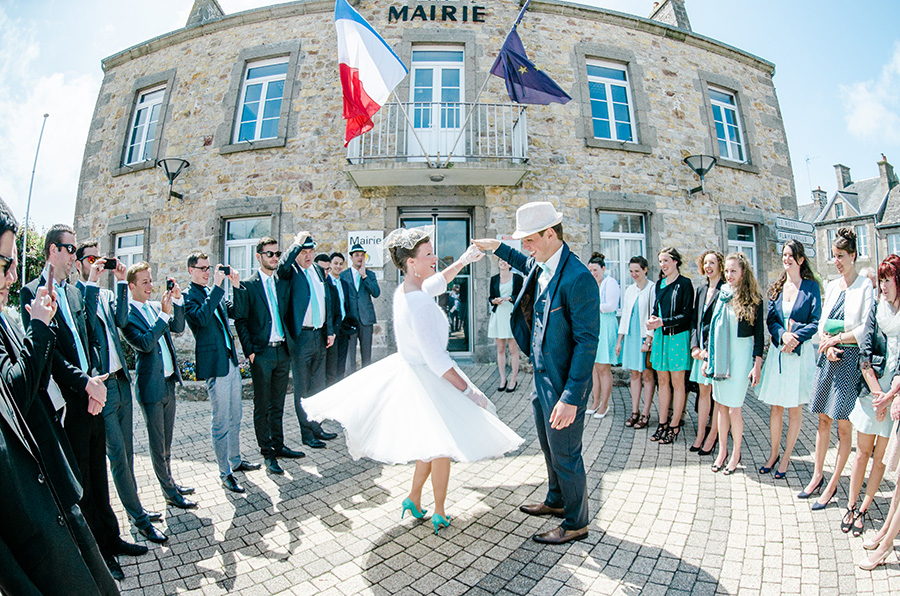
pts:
pixel 436 96
pixel 452 236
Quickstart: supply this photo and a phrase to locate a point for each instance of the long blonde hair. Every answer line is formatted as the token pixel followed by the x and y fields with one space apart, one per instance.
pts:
pixel 747 296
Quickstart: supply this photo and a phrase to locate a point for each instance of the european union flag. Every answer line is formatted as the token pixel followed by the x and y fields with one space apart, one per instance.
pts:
pixel 525 83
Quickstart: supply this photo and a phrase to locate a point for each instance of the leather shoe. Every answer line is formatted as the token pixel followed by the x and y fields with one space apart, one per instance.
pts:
pixel 231 484
pixel 153 535
pixel 184 490
pixel 324 435
pixel 560 536
pixel 542 509
pixel 272 465
pixel 181 502
pixel 115 569
pixel 132 550
pixel 153 516
pixel 314 443
pixel 246 466
pixel 289 453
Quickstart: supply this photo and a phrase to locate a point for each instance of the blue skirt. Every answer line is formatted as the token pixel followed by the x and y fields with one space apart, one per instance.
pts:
pixel 632 357
pixel 606 346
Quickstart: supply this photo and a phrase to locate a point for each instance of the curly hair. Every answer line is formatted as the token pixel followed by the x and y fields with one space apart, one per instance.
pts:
pixel 719 257
pixel 747 296
pixel 806 272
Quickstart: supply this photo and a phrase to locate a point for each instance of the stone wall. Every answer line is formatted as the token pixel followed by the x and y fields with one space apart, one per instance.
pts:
pixel 301 183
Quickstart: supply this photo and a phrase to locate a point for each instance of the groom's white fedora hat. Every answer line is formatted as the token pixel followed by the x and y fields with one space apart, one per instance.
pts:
pixel 535 217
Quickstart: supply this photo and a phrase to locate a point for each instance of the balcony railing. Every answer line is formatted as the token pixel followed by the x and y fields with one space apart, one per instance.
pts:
pixel 435 132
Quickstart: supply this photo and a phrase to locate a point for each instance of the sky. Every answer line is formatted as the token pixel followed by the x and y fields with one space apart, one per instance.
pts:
pixel 837 78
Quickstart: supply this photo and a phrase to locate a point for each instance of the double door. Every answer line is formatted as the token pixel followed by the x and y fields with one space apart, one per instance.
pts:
pixel 437 111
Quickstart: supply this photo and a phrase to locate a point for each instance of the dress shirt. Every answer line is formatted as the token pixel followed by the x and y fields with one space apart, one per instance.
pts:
pixel 115 365
pixel 276 334
pixel 336 282
pixel 549 269
pixel 317 292
pixel 63 305
pixel 168 362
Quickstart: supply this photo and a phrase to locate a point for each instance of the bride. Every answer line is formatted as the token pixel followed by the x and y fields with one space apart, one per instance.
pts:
pixel 417 404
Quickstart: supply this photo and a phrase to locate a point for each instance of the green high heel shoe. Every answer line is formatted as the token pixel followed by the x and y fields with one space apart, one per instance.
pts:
pixel 439 522
pixel 408 505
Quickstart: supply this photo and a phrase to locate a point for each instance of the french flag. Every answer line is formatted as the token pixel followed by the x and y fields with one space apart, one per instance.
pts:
pixel 369 69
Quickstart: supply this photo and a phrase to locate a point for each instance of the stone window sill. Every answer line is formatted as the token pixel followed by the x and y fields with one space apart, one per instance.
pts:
pixel 744 167
pixel 252 145
pixel 617 145
pixel 134 167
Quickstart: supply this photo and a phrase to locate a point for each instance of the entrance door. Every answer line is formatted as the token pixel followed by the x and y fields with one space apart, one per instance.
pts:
pixel 436 93
pixel 451 238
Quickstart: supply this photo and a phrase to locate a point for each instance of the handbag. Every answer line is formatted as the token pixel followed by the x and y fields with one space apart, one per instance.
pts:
pixel 879 352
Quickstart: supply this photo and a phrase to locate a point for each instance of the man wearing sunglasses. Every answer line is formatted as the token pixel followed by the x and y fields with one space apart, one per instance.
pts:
pixel 82 395
pixel 46 544
pixel 107 356
pixel 259 303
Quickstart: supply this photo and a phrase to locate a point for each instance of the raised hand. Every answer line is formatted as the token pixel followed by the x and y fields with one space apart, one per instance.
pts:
pixel 43 307
pixel 486 243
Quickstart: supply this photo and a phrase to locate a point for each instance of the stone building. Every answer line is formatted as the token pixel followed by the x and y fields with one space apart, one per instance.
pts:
pixel 253 101
pixel 870 206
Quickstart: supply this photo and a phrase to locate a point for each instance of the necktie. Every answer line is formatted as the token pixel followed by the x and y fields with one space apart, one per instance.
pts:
pixel 545 276
pixel 273 305
pixel 337 287
pixel 168 364
pixel 67 315
pixel 356 278
pixel 224 326
pixel 314 300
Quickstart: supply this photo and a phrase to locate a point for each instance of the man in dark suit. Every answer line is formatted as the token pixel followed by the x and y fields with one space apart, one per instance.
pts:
pixel 308 326
pixel 258 304
pixel 363 287
pixel 207 313
pixel 336 358
pixel 107 357
pixel 323 261
pixel 556 321
pixel 83 395
pixel 46 546
pixel 149 330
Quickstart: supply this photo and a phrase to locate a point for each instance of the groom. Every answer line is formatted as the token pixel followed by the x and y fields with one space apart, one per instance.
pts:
pixel 555 320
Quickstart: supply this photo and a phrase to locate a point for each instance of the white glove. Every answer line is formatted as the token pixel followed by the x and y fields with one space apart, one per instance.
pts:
pixel 475 394
pixel 472 254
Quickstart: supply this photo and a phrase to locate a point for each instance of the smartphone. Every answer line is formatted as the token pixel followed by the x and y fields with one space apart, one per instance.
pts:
pixel 111 263
pixel 170 285
pixel 226 269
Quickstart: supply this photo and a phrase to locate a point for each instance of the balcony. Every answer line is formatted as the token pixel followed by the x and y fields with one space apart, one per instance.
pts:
pixel 442 144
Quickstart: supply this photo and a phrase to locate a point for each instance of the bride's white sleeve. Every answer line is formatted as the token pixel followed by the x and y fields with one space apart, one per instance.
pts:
pixel 427 331
pixel 435 285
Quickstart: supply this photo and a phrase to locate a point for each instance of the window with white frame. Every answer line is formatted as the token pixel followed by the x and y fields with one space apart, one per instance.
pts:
pixel 742 238
pixel 241 236
pixel 612 108
pixel 130 247
pixel 142 135
pixel 831 235
pixel 622 236
pixel 260 102
pixel 729 132
pixel 838 210
pixel 862 241
pixel 893 241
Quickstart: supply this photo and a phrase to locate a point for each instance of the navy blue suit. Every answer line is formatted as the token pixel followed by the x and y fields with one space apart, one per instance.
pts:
pixel 806 313
pixel 200 312
pixel 559 330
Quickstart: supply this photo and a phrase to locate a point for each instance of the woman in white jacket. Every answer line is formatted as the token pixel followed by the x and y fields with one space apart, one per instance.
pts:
pixel 635 339
pixel 606 345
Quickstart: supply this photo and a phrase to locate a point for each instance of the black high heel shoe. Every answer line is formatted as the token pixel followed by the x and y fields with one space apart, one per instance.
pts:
pixel 512 388
pixel 705 452
pixel 816 488
pixel 660 431
pixel 848 519
pixel 671 434
pixel 501 388
pixel 861 518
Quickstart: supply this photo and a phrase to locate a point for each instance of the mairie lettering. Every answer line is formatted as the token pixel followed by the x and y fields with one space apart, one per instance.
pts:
pixel 464 13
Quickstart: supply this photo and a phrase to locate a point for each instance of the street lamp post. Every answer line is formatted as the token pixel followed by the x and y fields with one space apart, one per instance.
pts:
pixel 28 205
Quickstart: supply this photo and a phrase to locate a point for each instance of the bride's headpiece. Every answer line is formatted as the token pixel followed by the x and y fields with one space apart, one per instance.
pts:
pixel 406 238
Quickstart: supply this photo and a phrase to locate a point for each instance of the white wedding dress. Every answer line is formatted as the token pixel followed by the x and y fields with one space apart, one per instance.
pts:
pixel 400 409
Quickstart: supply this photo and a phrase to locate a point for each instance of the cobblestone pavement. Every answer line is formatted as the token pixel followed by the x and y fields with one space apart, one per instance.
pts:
pixel 663 522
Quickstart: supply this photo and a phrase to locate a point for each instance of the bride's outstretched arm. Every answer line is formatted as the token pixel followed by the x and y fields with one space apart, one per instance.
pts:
pixel 472 254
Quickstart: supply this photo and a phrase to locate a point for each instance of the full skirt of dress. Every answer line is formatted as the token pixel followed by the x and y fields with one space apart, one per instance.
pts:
pixel 395 412
pixel 787 378
pixel 608 336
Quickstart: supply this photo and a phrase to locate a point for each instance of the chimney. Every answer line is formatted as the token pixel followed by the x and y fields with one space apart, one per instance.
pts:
pixel 843 176
pixel 671 12
pixel 820 197
pixel 886 172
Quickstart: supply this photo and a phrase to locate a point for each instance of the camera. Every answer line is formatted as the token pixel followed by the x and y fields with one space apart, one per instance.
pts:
pixel 111 263
pixel 170 285
pixel 226 269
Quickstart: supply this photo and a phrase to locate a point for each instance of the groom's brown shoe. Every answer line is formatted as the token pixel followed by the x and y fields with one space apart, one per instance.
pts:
pixel 560 535
pixel 542 509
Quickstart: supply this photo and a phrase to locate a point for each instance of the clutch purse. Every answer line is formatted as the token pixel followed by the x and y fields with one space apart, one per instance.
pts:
pixel 834 326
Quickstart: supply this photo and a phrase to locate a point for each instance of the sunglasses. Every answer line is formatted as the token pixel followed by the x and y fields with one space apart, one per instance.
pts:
pixel 271 253
pixel 5 264
pixel 204 269
pixel 70 248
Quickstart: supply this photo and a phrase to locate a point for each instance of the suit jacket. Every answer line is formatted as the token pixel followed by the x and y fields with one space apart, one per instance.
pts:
pixel 494 290
pixel 252 318
pixel 151 382
pixel 806 312
pixel 360 301
pixel 297 289
pixel 66 369
pixel 702 315
pixel 210 350
pixel 566 342
pixel 111 313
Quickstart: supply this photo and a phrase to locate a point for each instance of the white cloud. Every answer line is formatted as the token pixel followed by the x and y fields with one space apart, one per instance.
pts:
pixel 25 96
pixel 873 107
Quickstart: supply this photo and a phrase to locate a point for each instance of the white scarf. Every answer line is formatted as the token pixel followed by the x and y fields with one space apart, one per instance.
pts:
pixel 888 320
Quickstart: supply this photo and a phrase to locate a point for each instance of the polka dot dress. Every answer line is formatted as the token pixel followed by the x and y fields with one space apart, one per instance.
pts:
pixel 836 384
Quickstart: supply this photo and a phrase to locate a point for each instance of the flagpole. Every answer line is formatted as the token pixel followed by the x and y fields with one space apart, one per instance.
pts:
pixel 413 129
pixel 480 92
